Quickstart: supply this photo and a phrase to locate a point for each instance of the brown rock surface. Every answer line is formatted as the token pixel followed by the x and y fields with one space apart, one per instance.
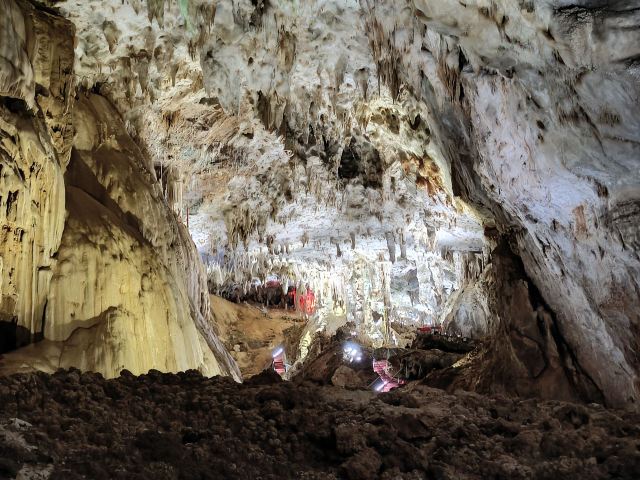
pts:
pixel 526 354
pixel 167 426
pixel 251 334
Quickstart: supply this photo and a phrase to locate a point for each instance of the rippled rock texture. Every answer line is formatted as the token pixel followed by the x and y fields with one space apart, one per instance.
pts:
pixel 36 132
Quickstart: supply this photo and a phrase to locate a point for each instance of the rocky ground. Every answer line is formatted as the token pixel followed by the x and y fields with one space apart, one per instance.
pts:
pixel 163 426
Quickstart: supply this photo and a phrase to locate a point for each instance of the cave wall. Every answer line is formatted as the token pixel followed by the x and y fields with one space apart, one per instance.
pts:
pixel 468 313
pixel 535 106
pixel 36 133
pixel 128 278
pixel 526 110
pixel 96 269
pixel 522 350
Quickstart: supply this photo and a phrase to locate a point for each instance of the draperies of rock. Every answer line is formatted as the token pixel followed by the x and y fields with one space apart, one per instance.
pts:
pixel 112 281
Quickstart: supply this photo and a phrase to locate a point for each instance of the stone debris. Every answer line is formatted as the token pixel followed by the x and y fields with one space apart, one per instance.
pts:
pixel 185 426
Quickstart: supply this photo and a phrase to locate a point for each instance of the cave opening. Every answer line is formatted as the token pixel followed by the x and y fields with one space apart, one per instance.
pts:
pixel 349 162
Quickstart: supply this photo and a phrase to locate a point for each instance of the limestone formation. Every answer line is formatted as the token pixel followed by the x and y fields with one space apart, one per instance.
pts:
pixel 529 95
pixel 494 142
pixel 36 133
pixel 95 267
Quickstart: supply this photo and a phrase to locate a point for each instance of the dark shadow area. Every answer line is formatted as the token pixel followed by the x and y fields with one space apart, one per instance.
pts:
pixel 362 161
pixel 13 336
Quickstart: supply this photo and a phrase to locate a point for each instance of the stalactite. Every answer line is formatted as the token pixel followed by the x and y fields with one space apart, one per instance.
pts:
pixel 362 77
pixel 111 34
pixel 155 9
pixel 142 71
pixel 136 5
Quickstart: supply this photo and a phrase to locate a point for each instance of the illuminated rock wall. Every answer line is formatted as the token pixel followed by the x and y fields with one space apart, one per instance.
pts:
pixel 112 281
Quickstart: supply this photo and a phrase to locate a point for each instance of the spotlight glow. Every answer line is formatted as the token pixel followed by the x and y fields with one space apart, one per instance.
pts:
pixel 380 386
pixel 352 352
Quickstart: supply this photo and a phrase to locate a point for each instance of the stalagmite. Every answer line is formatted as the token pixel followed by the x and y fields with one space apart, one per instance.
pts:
pixel 391 246
pixel 403 246
pixel 386 288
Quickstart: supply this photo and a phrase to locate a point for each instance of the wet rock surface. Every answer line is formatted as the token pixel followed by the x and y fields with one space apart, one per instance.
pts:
pixel 166 426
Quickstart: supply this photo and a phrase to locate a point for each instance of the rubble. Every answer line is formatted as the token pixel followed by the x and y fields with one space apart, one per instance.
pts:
pixel 174 426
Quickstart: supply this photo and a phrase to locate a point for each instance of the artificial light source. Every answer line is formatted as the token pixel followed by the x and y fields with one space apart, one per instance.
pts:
pixel 352 352
pixel 278 351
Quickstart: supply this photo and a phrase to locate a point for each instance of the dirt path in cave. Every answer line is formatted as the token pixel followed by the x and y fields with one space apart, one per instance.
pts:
pixel 251 334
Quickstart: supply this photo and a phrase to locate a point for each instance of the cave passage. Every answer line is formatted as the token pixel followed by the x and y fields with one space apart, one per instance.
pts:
pixel 393 239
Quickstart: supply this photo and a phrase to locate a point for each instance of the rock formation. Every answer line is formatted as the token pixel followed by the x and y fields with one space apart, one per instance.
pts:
pixel 95 267
pixel 196 427
pixel 410 162
pixel 533 106
pixel 36 86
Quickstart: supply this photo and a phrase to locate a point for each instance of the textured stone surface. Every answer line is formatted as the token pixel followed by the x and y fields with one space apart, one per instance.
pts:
pixel 186 426
pixel 299 165
pixel 524 352
pixel 113 281
pixel 470 315
pixel 366 147
pixel 35 142
pixel 539 125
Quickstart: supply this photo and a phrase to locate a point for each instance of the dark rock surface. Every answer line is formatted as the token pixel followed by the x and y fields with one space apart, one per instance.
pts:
pixel 185 426
pixel 417 364
pixel 527 355
pixel 446 343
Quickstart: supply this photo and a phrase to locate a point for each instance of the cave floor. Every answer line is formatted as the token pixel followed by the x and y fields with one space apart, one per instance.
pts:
pixel 163 426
